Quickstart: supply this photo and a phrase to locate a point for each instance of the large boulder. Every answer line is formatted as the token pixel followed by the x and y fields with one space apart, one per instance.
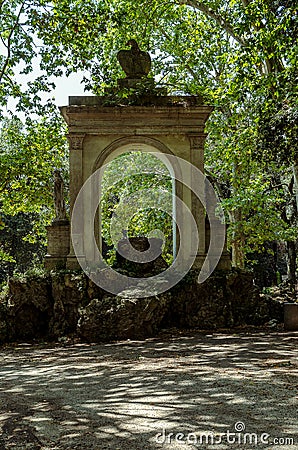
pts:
pixel 29 308
pixel 68 294
pixel 122 317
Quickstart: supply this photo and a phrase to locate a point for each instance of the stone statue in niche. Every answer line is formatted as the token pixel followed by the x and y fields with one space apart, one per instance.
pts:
pixel 135 63
pixel 59 202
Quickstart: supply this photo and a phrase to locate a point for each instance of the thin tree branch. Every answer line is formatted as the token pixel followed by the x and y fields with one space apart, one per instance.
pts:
pixel 3 42
pixel 215 16
pixel 213 180
pixel 9 40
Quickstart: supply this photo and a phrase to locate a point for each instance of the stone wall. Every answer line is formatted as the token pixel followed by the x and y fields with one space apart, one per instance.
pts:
pixel 69 303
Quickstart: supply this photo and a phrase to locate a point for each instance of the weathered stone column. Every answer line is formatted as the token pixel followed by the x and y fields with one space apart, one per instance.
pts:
pixel 75 183
pixel 197 142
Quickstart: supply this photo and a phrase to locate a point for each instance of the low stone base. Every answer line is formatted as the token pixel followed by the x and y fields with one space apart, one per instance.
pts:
pixel 72 263
pixel 291 316
pixel 54 262
pixel 223 264
pixel 135 82
pixel 65 303
pixel 58 234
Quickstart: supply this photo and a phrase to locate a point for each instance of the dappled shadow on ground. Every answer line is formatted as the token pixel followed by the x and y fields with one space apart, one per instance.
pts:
pixel 132 395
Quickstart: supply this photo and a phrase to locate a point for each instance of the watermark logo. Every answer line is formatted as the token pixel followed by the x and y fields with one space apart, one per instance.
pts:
pixel 236 436
pixel 239 426
pixel 194 187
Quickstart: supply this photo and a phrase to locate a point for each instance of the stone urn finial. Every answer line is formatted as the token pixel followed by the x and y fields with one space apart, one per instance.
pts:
pixel 135 62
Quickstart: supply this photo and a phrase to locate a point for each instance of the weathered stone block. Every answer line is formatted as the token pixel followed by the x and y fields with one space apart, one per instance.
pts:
pixel 291 316
pixel 58 236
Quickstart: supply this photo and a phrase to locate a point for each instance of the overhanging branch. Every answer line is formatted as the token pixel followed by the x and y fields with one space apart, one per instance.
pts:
pixel 215 16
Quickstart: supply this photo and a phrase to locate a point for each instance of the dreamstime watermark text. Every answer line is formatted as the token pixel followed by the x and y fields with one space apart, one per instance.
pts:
pixel 236 436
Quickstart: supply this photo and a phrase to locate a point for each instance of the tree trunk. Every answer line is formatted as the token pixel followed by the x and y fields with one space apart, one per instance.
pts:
pixel 237 255
pixel 295 173
pixel 291 245
pixel 291 261
pixel 237 241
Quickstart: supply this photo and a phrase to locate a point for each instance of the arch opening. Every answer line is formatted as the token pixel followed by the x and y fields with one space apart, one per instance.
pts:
pixel 137 199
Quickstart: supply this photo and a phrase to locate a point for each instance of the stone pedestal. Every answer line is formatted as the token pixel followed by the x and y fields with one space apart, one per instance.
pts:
pixel 133 83
pixel 141 256
pixel 291 316
pixel 58 235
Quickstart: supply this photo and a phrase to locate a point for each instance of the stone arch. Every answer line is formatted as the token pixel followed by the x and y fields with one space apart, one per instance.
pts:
pixel 98 132
pixel 129 143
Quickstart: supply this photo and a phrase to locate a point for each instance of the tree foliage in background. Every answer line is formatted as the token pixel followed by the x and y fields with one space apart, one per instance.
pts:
pixel 17 252
pixel 240 55
pixel 29 153
pixel 133 179
pixel 50 37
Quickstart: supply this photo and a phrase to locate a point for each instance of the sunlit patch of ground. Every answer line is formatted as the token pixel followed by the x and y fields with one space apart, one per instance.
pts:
pixel 132 395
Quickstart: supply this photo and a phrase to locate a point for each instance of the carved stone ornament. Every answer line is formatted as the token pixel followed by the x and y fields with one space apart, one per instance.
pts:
pixel 59 202
pixel 197 141
pixel 134 62
pixel 76 141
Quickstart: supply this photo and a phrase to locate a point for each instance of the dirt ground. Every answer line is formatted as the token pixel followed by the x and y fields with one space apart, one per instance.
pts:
pixel 132 395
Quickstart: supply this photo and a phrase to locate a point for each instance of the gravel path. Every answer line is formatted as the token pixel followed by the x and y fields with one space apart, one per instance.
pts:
pixel 131 395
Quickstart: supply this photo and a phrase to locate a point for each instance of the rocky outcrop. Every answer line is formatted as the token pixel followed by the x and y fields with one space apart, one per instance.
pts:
pixel 29 308
pixel 247 306
pixel 122 317
pixel 65 303
pixel 223 300
pixel 3 321
pixel 68 294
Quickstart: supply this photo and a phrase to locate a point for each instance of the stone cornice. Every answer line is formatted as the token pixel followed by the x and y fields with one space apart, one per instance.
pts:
pixel 105 120
pixel 144 100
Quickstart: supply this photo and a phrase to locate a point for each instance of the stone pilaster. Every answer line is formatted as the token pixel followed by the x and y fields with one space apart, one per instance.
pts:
pixel 197 142
pixel 75 165
pixel 75 183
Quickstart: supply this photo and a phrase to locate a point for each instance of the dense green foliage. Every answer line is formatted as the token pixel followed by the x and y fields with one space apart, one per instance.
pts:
pixel 240 55
pixel 29 153
pixel 142 177
pixel 16 251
